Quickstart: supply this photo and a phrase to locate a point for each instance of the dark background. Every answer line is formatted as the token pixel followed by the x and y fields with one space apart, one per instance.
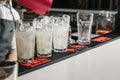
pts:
pixel 86 4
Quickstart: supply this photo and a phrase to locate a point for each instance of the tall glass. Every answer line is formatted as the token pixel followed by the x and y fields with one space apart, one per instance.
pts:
pixel 84 23
pixel 60 35
pixel 25 39
pixel 8 70
pixel 67 23
pixel 44 38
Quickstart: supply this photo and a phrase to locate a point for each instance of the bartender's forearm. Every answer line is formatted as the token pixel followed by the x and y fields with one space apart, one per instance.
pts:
pixel 12 56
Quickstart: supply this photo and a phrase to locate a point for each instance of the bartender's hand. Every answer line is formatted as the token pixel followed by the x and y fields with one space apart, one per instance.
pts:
pixel 5 1
pixel 12 56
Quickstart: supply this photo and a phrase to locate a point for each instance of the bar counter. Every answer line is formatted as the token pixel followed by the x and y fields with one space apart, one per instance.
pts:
pixel 100 61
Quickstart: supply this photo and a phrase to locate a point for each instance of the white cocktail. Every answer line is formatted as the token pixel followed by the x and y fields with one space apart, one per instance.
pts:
pixel 44 42
pixel 44 37
pixel 25 39
pixel 60 35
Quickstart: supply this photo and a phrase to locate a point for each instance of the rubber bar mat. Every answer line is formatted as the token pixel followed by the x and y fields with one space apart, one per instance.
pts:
pixel 76 47
pixel 36 62
pixel 101 39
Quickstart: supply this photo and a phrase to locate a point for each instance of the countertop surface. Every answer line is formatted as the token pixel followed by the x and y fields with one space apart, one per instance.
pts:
pixel 56 57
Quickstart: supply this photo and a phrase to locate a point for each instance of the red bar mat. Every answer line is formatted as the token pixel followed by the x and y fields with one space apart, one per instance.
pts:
pixel 78 46
pixel 36 62
pixel 101 39
pixel 72 50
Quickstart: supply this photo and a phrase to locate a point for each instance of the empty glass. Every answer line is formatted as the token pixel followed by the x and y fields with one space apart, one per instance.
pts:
pixel 84 23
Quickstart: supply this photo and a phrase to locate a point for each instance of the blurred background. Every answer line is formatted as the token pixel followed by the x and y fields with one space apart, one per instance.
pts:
pixel 82 4
pixel 71 7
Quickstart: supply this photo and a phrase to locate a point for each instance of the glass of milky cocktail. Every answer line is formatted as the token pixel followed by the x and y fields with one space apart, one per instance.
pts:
pixel 44 37
pixel 60 34
pixel 25 39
